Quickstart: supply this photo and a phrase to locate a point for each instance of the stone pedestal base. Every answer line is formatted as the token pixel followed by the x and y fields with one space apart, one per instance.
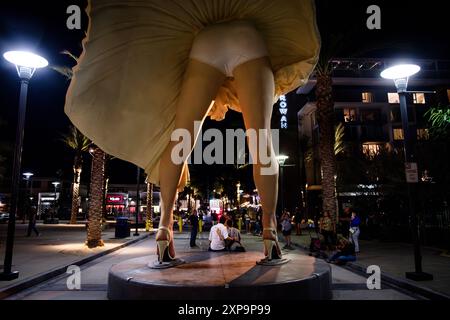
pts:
pixel 221 276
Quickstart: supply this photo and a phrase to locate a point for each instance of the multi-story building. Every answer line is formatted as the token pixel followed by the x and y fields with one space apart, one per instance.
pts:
pixel 368 107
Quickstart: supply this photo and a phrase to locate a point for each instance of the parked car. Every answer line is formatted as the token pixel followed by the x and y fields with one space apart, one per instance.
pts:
pixel 4 217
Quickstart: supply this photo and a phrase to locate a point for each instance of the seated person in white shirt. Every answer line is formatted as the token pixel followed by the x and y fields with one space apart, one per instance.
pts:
pixel 218 235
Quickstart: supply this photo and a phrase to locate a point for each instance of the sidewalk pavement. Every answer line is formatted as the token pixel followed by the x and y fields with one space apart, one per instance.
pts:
pixel 58 246
pixel 94 275
pixel 395 259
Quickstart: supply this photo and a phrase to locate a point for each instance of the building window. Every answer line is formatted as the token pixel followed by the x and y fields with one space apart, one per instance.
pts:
pixel 349 115
pixel 448 94
pixel 393 97
pixel 422 134
pixel 370 115
pixel 371 149
pixel 398 134
pixel 367 97
pixel 419 98
pixel 396 115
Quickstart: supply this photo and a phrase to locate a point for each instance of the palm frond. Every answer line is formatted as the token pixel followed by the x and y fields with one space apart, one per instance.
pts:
pixel 65 71
pixel 70 54
pixel 75 140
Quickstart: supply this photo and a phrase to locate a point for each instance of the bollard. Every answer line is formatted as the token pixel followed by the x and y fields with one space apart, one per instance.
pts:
pixel 180 223
pixel 240 224
pixel 200 226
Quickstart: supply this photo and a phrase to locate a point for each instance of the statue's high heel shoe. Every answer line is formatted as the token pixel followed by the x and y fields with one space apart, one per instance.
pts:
pixel 272 247
pixel 165 260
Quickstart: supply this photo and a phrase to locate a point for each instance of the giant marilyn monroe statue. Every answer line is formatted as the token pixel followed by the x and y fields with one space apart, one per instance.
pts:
pixel 152 66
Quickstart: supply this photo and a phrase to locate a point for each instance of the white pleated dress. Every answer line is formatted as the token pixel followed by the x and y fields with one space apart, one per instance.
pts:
pixel 125 87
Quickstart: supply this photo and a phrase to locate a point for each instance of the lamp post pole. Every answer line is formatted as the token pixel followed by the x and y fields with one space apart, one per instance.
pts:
pixel 55 184
pixel 418 275
pixel 26 64
pixel 138 186
pixel 27 177
pixel 281 162
pixel 282 186
pixel 400 74
pixel 8 274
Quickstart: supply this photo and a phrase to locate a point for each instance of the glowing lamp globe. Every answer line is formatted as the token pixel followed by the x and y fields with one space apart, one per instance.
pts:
pixel 400 71
pixel 26 62
pixel 25 59
pixel 282 159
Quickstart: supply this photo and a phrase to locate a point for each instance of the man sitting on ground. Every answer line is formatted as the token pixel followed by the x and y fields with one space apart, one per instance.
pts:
pixel 218 235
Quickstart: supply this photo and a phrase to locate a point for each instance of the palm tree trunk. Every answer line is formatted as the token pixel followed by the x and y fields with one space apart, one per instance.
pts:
pixel 325 119
pixel 149 219
pixel 75 194
pixel 94 232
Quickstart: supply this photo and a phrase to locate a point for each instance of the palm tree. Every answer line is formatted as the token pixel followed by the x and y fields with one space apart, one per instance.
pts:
pixel 439 121
pixel 326 122
pixel 79 143
pixel 96 203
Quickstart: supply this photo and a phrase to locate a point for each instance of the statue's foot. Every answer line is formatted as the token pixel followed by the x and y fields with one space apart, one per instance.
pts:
pixel 272 249
pixel 165 250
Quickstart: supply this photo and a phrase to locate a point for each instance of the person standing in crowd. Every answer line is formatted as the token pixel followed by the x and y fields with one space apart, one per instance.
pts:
pixel 354 231
pixel 327 230
pixel 258 225
pixel 298 221
pixel 345 222
pixel 32 223
pixel 247 222
pixel 214 217
pixel 286 229
pixel 193 219
pixel 218 235
pixel 200 215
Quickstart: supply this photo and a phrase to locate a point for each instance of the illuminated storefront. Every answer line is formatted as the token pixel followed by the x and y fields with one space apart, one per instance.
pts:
pixel 116 204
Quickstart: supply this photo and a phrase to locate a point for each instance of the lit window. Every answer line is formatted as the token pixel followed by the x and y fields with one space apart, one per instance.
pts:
pixel 419 98
pixel 422 134
pixel 367 97
pixel 398 134
pixel 371 149
pixel 349 115
pixel 393 97
pixel 448 94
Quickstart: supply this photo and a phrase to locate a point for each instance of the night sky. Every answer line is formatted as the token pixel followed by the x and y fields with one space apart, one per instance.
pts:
pixel 408 30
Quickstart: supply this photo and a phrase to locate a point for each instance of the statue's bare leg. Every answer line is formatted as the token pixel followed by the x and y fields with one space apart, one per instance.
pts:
pixel 255 88
pixel 200 85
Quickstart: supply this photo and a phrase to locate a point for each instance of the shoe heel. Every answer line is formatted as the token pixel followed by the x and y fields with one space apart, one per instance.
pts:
pixel 269 247
pixel 163 245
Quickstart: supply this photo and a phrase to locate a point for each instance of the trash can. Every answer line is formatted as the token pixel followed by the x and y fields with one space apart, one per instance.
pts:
pixel 122 228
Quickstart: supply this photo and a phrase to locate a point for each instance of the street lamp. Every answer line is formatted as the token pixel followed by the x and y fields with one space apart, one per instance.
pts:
pixel 281 161
pixel 400 75
pixel 26 64
pixel 27 176
pixel 55 184
pixel 138 196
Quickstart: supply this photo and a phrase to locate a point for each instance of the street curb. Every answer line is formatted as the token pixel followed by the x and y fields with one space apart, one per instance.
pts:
pixel 401 283
pixel 35 280
pixel 393 281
